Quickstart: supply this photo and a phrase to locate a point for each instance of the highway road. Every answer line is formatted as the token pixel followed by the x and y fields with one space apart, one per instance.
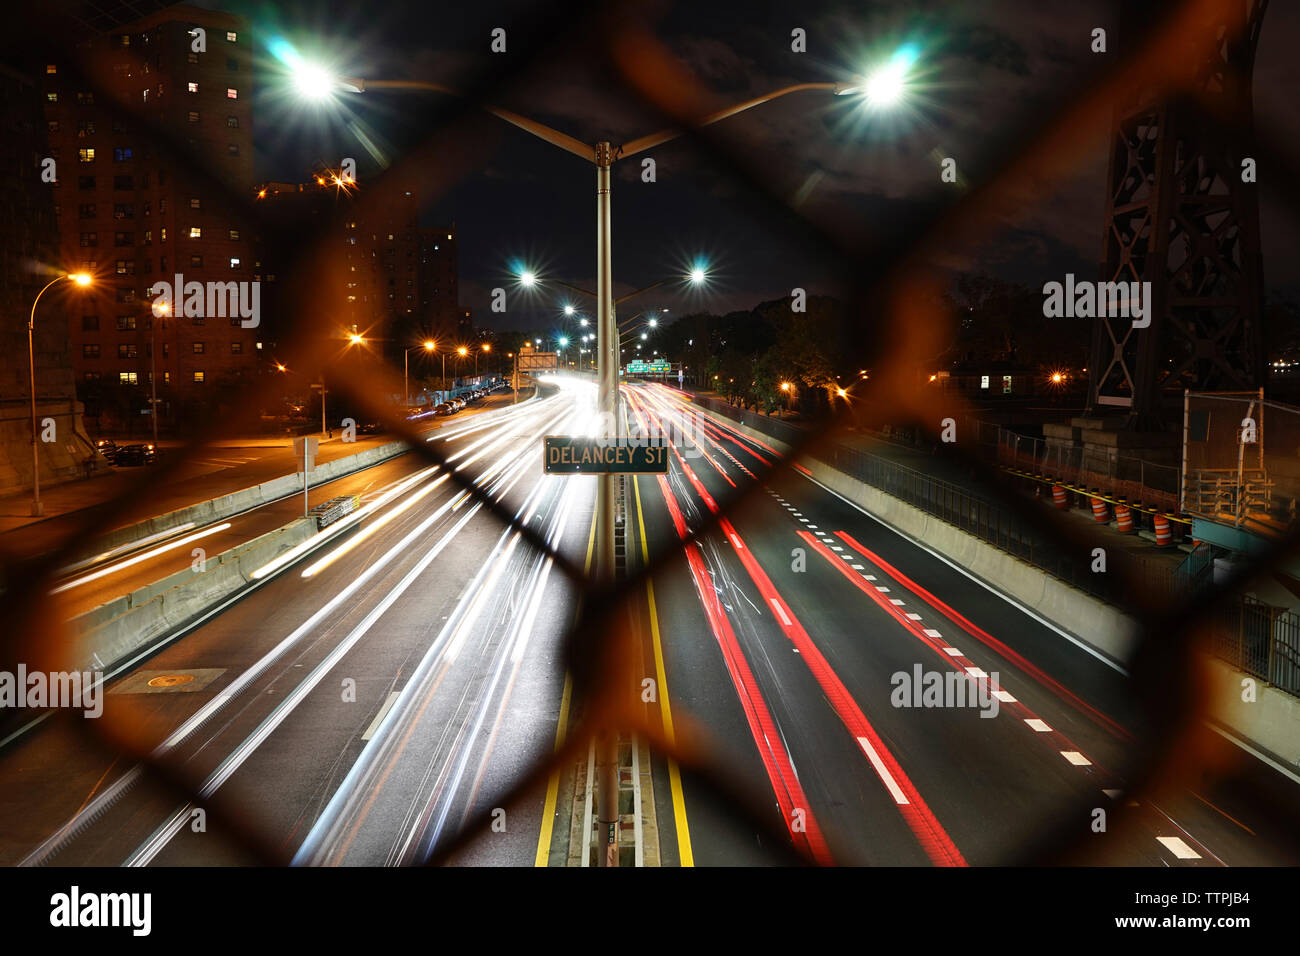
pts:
pixel 805 608
pixel 359 703
pixel 100 581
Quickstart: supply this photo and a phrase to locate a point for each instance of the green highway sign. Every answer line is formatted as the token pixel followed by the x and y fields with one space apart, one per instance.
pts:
pixel 652 367
pixel 567 455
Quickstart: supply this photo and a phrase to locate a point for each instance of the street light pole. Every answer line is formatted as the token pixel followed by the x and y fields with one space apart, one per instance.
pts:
pixel 603 155
pixel 82 278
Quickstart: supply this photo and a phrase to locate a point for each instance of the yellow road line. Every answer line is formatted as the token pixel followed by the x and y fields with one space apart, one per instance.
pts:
pixel 684 852
pixel 553 785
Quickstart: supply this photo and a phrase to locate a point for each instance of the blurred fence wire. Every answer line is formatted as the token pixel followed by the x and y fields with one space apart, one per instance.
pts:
pixel 897 267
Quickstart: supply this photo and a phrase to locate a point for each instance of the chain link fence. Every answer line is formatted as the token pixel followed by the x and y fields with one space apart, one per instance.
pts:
pixel 895 268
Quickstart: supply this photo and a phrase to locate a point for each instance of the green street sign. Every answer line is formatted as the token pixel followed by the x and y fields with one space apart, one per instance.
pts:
pixel 567 455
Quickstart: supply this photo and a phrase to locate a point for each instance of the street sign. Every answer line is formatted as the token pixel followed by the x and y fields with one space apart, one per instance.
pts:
pixel 651 367
pixel 304 450
pixel 567 455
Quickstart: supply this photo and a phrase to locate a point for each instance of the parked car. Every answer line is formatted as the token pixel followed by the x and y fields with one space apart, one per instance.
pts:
pixel 138 454
pixel 106 447
pixel 444 409
pixel 369 428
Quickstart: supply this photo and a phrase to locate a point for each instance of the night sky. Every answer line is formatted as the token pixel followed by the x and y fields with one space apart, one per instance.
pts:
pixel 984 72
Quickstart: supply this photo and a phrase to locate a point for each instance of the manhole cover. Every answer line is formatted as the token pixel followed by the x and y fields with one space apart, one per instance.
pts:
pixel 171 680
pixel 189 681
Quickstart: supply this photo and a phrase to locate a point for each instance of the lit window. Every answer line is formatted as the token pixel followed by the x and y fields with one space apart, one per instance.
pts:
pixel 232 37
pixel 127 350
pixel 198 348
pixel 198 376
pixel 234 262
pixel 196 232
pixel 90 351
pixel 128 378
pixel 196 203
pixel 234 235
pixel 194 116
pixel 236 348
pixel 86 154
pixel 51 69
pixel 232 93
pixel 191 87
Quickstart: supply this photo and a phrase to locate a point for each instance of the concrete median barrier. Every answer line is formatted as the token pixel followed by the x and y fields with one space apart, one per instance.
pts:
pixel 218 509
pixel 125 626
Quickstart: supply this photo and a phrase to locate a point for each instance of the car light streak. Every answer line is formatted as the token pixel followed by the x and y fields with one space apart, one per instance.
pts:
pixel 104 572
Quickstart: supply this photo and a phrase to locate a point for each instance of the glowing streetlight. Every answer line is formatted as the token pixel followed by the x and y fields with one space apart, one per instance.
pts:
pixel 81 279
pixel 697 276
pixel 569 310
pixel 527 279
pixel 356 338
pixel 313 82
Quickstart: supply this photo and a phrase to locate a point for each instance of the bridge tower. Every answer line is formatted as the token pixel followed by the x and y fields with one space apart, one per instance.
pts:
pixel 1180 216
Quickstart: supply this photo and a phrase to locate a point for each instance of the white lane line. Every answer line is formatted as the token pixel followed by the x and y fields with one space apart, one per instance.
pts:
pixel 812 527
pixel 894 790
pixel 856 567
pixel 895 601
pixel 882 590
pixel 869 577
pixel 804 520
pixel 976 672
pixel 931 632
pixel 736 542
pixel 780 611
pixel 1178 848
pixel 1023 609
pixel 951 651
pixel 913 617
pixel 1038 725
pixel 1076 758
pixel 383 711
pixel 1004 696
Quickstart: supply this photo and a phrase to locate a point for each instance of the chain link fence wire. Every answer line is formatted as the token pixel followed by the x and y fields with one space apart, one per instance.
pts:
pixel 894 283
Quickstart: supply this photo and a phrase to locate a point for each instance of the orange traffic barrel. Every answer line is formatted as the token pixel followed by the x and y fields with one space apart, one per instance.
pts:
pixel 1058 497
pixel 1123 519
pixel 1164 533
pixel 1099 512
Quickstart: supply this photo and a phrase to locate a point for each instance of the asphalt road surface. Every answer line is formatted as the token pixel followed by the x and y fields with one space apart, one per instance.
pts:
pixel 363 700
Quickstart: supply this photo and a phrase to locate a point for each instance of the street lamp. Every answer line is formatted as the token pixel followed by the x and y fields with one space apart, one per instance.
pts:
pixel 161 309
pixel 81 279
pixel 428 345
pixel 602 155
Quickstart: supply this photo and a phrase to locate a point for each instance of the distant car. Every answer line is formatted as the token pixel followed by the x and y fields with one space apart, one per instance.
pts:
pixel 444 409
pixel 106 447
pixel 139 454
pixel 369 428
